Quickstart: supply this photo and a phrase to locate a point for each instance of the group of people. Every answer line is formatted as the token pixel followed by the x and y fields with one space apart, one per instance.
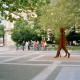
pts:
pixel 35 44
pixel 38 46
pixel 25 45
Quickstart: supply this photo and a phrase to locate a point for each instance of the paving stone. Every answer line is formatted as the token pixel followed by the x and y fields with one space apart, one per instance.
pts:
pixel 37 62
pixel 22 59
pixel 54 74
pixel 4 58
pixel 19 72
pixel 65 73
pixel 71 63
pixel 25 65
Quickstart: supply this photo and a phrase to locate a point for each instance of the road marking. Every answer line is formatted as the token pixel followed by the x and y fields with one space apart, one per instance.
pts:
pixel 69 65
pixel 42 60
pixel 7 56
pixel 36 58
pixel 26 64
pixel 71 61
pixel 16 58
pixel 45 73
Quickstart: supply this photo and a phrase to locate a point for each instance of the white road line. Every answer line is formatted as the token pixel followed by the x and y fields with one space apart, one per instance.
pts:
pixel 1 53
pixel 36 58
pixel 70 65
pixel 42 60
pixel 45 73
pixel 26 64
pixel 7 56
pixel 15 58
pixel 71 61
pixel 7 52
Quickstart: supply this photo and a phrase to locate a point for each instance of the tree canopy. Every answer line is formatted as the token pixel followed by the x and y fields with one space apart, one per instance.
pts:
pixel 73 36
pixel 61 13
pixel 22 31
pixel 9 7
pixel 1 30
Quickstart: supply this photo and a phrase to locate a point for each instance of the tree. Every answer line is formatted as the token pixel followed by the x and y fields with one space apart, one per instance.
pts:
pixel 73 36
pixel 22 31
pixel 61 13
pixel 9 7
pixel 1 30
pixel 42 33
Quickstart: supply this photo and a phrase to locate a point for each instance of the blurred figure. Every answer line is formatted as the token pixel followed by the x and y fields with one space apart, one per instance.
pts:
pixel 32 42
pixel 23 44
pixel 43 48
pixel 41 45
pixel 26 45
pixel 34 45
pixel 45 45
pixel 38 45
pixel 17 46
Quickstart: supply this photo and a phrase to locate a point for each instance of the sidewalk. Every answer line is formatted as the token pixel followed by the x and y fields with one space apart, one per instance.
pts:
pixel 38 65
pixel 4 48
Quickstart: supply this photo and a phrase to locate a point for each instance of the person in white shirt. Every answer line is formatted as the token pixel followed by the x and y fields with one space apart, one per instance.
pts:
pixel 26 45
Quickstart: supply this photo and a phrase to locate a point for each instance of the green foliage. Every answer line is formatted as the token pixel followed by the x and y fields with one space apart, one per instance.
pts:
pixel 22 31
pixel 39 31
pixel 69 47
pixel 73 36
pixel 36 26
pixel 1 30
pixel 18 6
pixel 62 13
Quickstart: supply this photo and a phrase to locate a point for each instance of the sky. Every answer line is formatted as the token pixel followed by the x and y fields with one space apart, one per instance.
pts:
pixel 3 22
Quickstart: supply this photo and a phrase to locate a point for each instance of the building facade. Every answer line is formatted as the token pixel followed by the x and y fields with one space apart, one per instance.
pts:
pixel 7 37
pixel 10 25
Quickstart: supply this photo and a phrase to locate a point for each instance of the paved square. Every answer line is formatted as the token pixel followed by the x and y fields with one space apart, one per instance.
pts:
pixel 66 73
pixel 38 65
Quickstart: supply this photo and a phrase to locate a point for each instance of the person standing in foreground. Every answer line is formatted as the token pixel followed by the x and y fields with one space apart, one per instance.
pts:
pixel 62 44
